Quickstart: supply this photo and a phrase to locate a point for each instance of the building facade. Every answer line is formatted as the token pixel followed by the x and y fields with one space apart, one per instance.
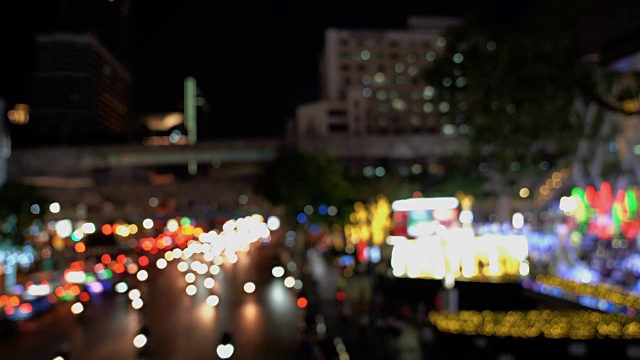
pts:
pixel 81 93
pixel 371 82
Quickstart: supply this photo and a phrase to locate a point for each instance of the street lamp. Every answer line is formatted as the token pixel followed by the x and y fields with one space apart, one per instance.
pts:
pixel 191 102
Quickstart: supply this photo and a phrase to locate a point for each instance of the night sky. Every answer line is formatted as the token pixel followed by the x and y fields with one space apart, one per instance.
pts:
pixel 254 62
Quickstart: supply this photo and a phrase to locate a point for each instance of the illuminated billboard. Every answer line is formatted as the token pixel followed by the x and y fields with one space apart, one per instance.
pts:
pixel 430 241
pixel 417 217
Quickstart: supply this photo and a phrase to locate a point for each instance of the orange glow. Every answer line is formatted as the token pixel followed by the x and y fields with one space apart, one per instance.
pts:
pixel 118 268
pixel 302 302
pixel 106 229
pixel 198 231
pixel 80 247
pixel 143 260
pixel 84 296
pixel 77 265
pixel 60 291
pixel 122 258
pixel 417 194
pixel 114 227
pixel 147 245
pixel 26 308
pixel 14 301
pixel 74 290
pixel 4 299
pixel 106 258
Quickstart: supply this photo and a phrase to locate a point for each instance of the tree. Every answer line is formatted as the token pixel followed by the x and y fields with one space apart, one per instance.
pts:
pixel 16 215
pixel 297 178
pixel 512 88
pixel 606 150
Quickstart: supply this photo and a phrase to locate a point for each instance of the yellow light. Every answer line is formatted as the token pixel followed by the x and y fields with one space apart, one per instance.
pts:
pixel 19 115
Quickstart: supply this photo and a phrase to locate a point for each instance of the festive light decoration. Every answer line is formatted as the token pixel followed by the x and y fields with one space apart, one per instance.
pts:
pixel 574 324
pixel 603 296
pixel 600 213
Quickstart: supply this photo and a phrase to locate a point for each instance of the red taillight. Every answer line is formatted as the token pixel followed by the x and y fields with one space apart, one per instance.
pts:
pixel 302 302
pixel 26 308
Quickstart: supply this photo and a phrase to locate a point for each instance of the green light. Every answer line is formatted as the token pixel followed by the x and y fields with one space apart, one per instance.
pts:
pixel 184 221
pixel 67 297
pixel 632 204
pixel 90 277
pixel 582 211
pixel 105 274
pixel 616 210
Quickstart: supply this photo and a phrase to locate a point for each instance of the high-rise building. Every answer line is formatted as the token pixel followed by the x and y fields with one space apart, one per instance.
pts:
pixel 81 93
pixel 371 82
pixel 5 145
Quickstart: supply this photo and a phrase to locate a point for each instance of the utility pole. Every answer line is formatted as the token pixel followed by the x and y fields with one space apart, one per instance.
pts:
pixel 190 118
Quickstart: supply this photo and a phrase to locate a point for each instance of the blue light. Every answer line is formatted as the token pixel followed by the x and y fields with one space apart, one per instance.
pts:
pixel 315 229
pixel 346 260
pixel 374 254
pixel 302 218
pixel 322 209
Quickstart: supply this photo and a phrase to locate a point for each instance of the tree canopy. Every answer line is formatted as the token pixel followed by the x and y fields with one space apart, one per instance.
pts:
pixel 298 178
pixel 16 214
pixel 511 89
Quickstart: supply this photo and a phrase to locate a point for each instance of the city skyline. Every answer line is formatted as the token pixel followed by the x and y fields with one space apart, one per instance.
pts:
pixel 252 67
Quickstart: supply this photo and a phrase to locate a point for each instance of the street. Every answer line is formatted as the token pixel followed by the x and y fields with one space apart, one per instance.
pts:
pixel 263 324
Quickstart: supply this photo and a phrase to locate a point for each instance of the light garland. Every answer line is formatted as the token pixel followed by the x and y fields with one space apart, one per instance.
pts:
pixel 575 324
pixel 615 294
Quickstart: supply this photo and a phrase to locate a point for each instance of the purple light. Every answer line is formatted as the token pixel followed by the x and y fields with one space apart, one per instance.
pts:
pixel 95 287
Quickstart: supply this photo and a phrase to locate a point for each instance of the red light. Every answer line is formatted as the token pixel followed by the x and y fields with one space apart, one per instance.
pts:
pixel 302 302
pixel 106 229
pixel 118 268
pixel 106 258
pixel 84 296
pixel 122 258
pixel 9 310
pixel 341 295
pixel 80 247
pixel 26 308
pixel 143 260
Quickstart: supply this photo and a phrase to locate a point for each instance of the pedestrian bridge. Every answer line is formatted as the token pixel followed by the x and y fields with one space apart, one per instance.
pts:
pixel 85 159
